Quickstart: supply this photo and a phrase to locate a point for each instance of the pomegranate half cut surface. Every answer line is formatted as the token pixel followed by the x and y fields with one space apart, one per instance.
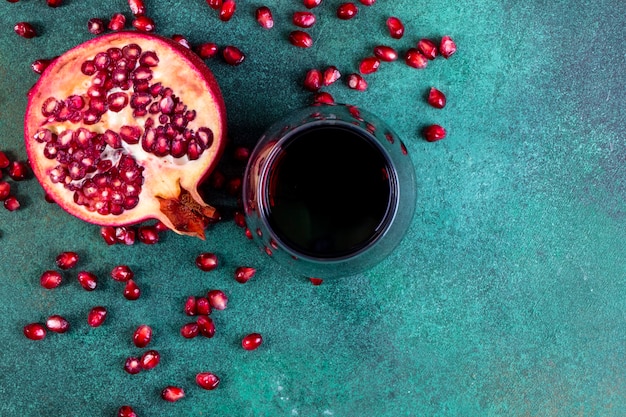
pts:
pixel 123 128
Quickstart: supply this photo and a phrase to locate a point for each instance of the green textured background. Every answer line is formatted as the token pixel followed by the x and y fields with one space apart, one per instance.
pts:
pixel 507 297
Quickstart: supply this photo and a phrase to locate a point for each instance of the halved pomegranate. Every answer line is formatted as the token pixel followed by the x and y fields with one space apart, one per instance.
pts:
pixel 123 128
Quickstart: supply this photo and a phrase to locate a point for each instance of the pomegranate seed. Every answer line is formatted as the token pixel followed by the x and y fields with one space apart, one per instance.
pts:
pixel 316 281
pixel 395 27
pixel 57 324
pixel 240 219
pixel 436 98
pixel 206 50
pixel 427 48
pixel 356 82
pixel 142 336
pixel 131 290
pixel 191 306
pixel 25 30
pixel 367 2
pixel 39 65
pixel 172 394
pixel 319 98
pixel 434 133
pixel 300 39
pixel 150 359
pixel 244 273
pixel 96 316
pixel 303 19
pixel 218 179
pixel 122 273
pixel 241 153
pixel 5 190
pixel 347 11
pixel 95 26
pixel 217 299
pixel 132 365
pixel 137 7
pixel 4 160
pixel 331 74
pixel 447 47
pixel 35 331
pixel 234 186
pixel 54 3
pixel 126 411
pixel 11 203
pixel 248 234
pixel 50 279
pixel 148 235
pixel 67 260
pixel 206 261
pixel 203 307
pixel 87 280
pixel 160 226
pixel 143 24
pixel 18 170
pixel 125 235
pixel 108 234
pixel 233 55
pixel 206 327
pixel 252 341
pixel 385 53
pixel 311 4
pixel 313 79
pixel 415 59
pixel 264 17
pixel 181 40
pixel 369 65
pixel 227 10
pixel 207 380
pixel 117 22
pixel 214 4
pixel 189 330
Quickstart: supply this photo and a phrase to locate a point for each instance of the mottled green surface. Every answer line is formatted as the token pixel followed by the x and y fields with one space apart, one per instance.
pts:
pixel 507 297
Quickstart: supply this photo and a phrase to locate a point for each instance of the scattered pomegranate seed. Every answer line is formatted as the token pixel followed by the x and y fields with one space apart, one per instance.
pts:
pixel 142 336
pixel 150 359
pixel 234 186
pixel 108 234
pixel 57 324
pixel 206 327
pixel 126 411
pixel 356 82
pixel 214 4
pixel 203 307
pixel 131 290
pixel 50 279
pixel 395 27
pixel 347 11
pixel 436 98
pixel 5 190
pixel 96 316
pixel 132 365
pixel 191 306
pixel 67 260
pixel 125 235
pixel 311 4
pixel 319 98
pixel 11 203
pixel 39 65
pixel 300 39
pixel 385 53
pixel 95 26
pixel 172 394
pixel 87 280
pixel 206 50
pixel 25 30
pixel 18 170
pixel 248 233
pixel 415 59
pixel 244 273
pixel 4 160
pixel 206 261
pixel 218 179
pixel 190 330
pixel 54 3
pixel 217 299
pixel 264 17
pixel 303 19
pixel 240 219
pixel 241 153
pixel 148 235
pixel 117 22
pixel 434 133
pixel 35 331
pixel 227 10
pixel 252 341
pixel 367 2
pixel 178 38
pixel 233 55
pixel 122 273
pixel 447 47
pixel 316 281
pixel 369 65
pixel 207 380
pixel 144 24
pixel 137 7
pixel 313 79
pixel 160 226
pixel 427 48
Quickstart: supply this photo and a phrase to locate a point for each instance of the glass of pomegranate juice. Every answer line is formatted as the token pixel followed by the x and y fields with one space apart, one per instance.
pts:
pixel 329 191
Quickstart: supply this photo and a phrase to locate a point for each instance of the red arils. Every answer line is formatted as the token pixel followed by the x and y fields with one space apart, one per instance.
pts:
pixel 217 299
pixel 126 411
pixel 206 50
pixel 131 290
pixel 189 330
pixel 87 280
pixel 347 11
pixel 241 153
pixel 35 331
pixel 300 39
pixel 190 306
pixel 227 10
pixel 4 160
pixel 108 234
pixel 54 3
pixel 5 190
pixel 137 7
pixel 239 219
pixel 67 260
pixel 18 170
pixel 427 48
pixel 415 59
pixel 95 26
pixel 313 80
pixel 125 235
pixel 214 4
pixel 316 281
pixel 206 327
pixel 434 133
pixel 150 359
pixel 50 279
pixel 367 2
pixel 206 261
pixel 385 53
pixel 117 22
pixel 322 97
pixel 181 40
pixel 96 316
pixel 207 380
pixel 264 17
pixel 311 4
pixel 203 307
pixel 39 65
pixel 356 82
pixel 143 24
pixel 395 27
pixel 57 324
pixel 148 235
pixel 244 273
pixel 11 203
pixel 436 98
pixel 132 365
pixel 331 74
pixel 25 30
pixel 447 47
pixel 369 65
pixel 303 19
pixel 252 341
pixel 233 55
pixel 172 393
pixel 122 273
pixel 142 336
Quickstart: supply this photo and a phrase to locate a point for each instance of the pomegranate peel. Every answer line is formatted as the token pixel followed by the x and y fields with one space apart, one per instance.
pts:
pixel 116 137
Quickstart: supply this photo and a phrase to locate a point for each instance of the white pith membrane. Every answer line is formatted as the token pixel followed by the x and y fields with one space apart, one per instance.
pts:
pixel 111 179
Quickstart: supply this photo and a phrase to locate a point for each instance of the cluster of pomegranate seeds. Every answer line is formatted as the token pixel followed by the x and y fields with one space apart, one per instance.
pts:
pixel 300 39
pixel 25 30
pixel 244 273
pixel 126 411
pixel 172 393
pixel 264 17
pixel 252 341
pixel 206 261
pixel 96 316
pixel 303 19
